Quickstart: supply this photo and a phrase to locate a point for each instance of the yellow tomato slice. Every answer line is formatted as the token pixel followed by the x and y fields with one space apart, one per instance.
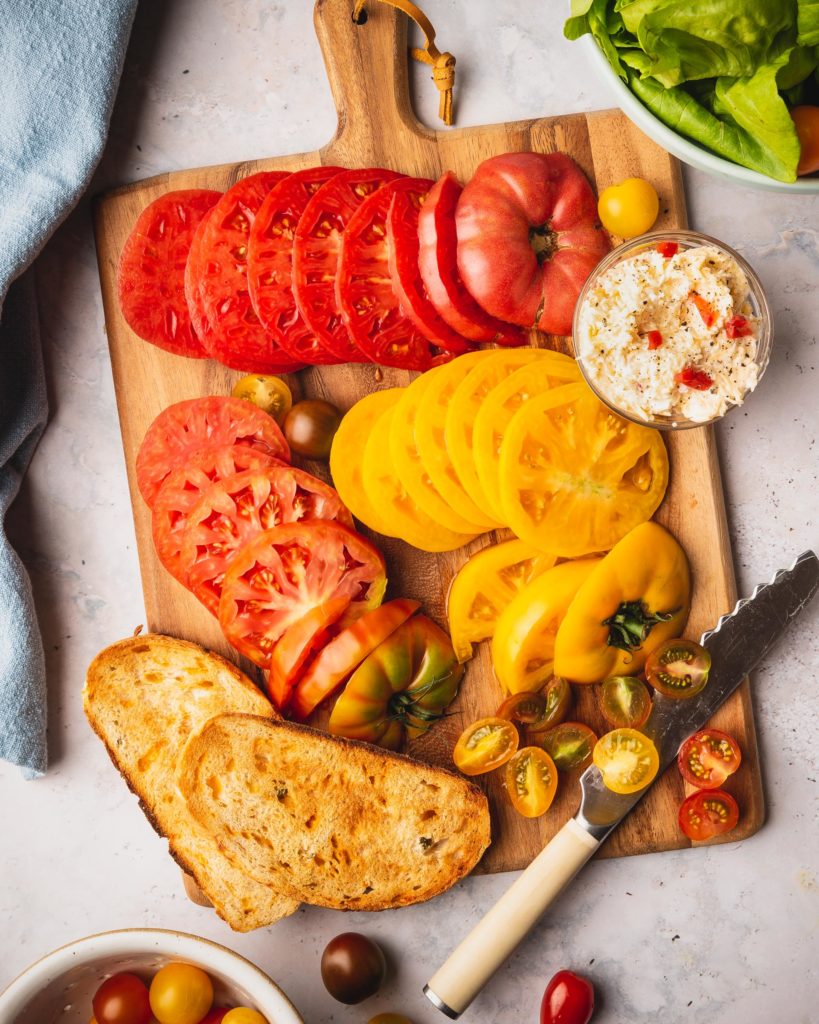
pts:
pixel 485 745
pixel 531 781
pixel 628 760
pixel 463 408
pixel 407 462
pixel 574 477
pixel 524 640
pixel 347 451
pixel 498 408
pixel 386 491
pixel 485 585
pixel 429 436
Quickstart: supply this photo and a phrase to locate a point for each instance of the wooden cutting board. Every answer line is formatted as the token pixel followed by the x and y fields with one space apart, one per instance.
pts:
pixel 367 68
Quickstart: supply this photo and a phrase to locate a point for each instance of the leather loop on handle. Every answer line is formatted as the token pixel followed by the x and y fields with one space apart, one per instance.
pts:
pixel 442 64
pixel 493 939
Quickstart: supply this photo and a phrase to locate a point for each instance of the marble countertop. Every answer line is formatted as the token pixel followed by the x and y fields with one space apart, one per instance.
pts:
pixel 726 934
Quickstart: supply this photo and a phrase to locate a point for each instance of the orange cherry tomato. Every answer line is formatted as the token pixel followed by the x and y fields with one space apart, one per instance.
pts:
pixel 708 813
pixel 678 668
pixel 707 758
pixel 484 745
pixel 624 701
pixel 531 781
pixel 569 744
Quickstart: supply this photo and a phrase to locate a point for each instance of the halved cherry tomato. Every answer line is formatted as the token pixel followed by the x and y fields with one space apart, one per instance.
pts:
pixel 629 208
pixel 485 745
pixel 569 744
pixel 708 813
pixel 525 709
pixel 806 121
pixel 180 994
pixel 345 652
pixel 678 668
pixel 270 393
pixel 122 999
pixel 668 249
pixel 691 377
pixel 186 428
pixel 707 758
pixel 402 688
pixel 568 999
pixel 624 701
pixel 558 695
pixel 628 760
pixel 281 574
pixel 531 781
pixel 310 427
pixel 297 643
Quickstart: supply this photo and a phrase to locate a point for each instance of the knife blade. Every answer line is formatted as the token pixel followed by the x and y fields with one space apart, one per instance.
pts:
pixel 737 643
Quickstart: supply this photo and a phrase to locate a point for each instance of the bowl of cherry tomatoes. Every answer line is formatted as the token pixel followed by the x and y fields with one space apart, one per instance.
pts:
pixel 145 976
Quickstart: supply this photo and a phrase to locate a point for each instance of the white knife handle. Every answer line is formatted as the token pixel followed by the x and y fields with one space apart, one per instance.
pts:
pixel 491 941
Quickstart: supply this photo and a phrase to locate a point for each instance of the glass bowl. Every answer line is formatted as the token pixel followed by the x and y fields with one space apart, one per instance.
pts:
pixel 686 240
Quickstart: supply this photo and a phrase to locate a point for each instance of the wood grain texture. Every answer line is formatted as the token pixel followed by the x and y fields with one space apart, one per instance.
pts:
pixel 366 65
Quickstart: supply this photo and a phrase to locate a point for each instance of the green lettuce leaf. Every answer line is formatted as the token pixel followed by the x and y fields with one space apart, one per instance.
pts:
pixel 807 22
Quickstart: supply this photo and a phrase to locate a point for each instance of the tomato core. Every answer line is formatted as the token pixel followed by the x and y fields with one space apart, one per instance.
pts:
pixel 543 242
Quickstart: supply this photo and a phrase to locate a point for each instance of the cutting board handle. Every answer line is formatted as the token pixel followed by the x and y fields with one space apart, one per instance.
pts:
pixel 367 68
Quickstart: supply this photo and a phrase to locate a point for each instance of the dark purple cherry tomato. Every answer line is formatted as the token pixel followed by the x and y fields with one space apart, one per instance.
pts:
pixel 352 967
pixel 310 427
pixel 122 999
pixel 568 999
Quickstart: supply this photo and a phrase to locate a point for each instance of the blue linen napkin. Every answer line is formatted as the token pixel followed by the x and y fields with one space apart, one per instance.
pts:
pixel 60 63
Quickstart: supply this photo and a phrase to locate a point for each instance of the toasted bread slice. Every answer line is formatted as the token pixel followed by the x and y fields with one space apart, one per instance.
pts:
pixel 144 696
pixel 349 826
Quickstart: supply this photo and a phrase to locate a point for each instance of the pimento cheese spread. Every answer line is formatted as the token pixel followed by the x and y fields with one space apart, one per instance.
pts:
pixel 670 335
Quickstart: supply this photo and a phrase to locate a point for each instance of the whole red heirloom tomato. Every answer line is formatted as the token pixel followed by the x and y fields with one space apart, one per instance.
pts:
pixel 528 237
pixel 568 999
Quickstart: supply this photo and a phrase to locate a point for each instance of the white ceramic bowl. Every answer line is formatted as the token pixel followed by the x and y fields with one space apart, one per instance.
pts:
pixel 58 989
pixel 681 147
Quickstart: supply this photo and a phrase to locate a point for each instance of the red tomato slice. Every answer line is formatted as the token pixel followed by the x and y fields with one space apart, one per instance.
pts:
pixel 234 510
pixel 185 428
pixel 270 265
pixel 193 297
pixel 708 813
pixel 182 490
pixel 316 248
pixel 364 291
pixel 282 573
pixel 296 645
pixel 151 271
pixel 345 652
pixel 236 338
pixel 438 265
pixel 707 758
pixel 413 301
pixel 528 237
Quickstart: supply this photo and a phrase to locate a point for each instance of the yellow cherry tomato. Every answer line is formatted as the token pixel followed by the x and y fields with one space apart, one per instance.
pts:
pixel 485 745
pixel 268 392
pixel 180 994
pixel 575 477
pixel 500 405
pixel 630 208
pixel 484 586
pixel 636 598
pixel 628 760
pixel 243 1015
pixel 524 640
pixel 531 781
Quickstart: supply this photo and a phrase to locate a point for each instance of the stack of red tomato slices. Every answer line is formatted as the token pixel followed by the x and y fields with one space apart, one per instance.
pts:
pixel 326 265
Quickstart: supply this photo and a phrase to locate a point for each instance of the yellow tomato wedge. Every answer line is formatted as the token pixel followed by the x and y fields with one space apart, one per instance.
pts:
pixel 407 462
pixel 524 640
pixel 574 477
pixel 637 597
pixel 501 404
pixel 464 406
pixel 346 456
pixel 429 435
pixel 628 760
pixel 386 491
pixel 485 585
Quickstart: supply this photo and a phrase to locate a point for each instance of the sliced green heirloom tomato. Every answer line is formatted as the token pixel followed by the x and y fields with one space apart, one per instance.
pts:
pixel 708 813
pixel 485 745
pixel 624 701
pixel 628 760
pixel 569 744
pixel 678 669
pixel 531 781
pixel 707 758
pixel 402 688
pixel 345 652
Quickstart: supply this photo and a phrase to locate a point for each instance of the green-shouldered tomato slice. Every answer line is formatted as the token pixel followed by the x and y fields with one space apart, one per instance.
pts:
pixel 485 745
pixel 678 669
pixel 628 760
pixel 531 781
pixel 708 813
pixel 707 758
pixel 624 701
pixel 569 744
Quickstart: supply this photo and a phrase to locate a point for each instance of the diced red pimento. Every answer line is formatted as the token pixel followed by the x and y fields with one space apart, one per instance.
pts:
pixel 691 377
pixel 668 249
pixel 738 327
pixel 704 308
pixel 654 339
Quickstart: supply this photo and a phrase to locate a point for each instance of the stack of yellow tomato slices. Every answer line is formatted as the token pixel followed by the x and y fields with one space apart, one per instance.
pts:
pixel 492 439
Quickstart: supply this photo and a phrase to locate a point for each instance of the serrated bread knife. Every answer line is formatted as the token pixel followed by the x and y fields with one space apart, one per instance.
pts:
pixel 737 643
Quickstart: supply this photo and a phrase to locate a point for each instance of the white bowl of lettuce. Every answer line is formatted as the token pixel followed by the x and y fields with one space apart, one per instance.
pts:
pixel 711 82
